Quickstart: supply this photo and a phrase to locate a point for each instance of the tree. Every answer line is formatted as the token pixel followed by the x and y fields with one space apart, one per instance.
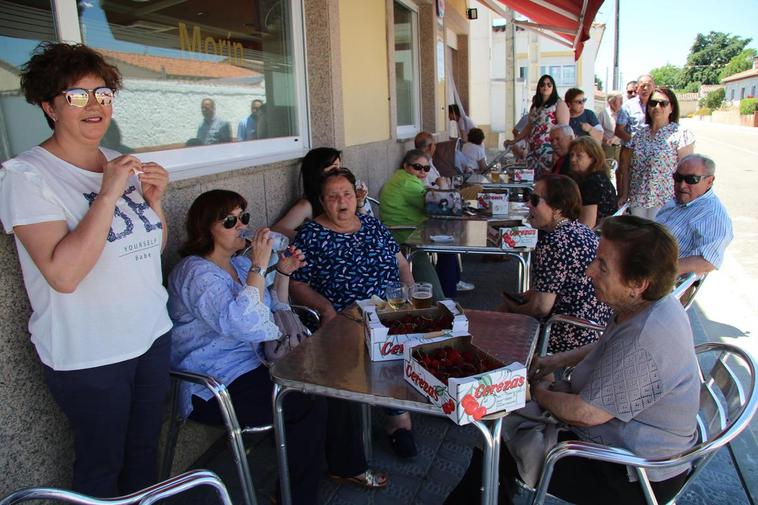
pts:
pixel 740 63
pixel 669 76
pixel 708 56
pixel 599 83
pixel 714 99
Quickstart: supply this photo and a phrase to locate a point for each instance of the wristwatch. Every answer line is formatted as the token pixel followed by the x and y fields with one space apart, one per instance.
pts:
pixel 255 269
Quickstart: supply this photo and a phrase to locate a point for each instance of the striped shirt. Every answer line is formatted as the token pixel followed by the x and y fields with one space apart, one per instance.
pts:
pixel 702 227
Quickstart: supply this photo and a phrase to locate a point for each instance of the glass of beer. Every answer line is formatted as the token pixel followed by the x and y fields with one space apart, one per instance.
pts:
pixel 396 294
pixel 421 295
pixel 495 176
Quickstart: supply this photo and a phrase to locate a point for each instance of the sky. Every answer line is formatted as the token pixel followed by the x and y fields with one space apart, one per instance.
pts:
pixel 653 33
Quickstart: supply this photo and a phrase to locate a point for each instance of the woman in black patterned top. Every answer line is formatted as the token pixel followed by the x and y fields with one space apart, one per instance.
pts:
pixel 560 284
pixel 589 170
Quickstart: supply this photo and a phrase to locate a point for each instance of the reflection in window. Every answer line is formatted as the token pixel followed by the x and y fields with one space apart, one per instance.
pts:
pixel 406 80
pixel 23 25
pixel 195 72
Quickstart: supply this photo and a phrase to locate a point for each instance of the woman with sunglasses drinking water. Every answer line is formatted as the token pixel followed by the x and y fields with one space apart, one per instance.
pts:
pixel 90 229
pixel 222 314
pixel 547 111
pixel 563 253
pixel 656 151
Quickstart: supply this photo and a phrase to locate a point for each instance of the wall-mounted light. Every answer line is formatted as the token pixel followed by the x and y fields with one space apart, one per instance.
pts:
pixel 472 14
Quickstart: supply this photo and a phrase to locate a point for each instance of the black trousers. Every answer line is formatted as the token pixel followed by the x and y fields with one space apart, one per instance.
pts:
pixel 115 412
pixel 576 480
pixel 304 421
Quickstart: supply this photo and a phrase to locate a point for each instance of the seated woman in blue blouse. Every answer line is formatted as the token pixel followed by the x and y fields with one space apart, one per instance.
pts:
pixel 222 313
pixel 350 257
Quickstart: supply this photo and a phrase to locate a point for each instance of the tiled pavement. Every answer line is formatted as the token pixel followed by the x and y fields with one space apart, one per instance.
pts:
pixel 444 448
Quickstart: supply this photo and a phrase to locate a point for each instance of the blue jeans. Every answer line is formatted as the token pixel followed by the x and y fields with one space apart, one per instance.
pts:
pixel 116 413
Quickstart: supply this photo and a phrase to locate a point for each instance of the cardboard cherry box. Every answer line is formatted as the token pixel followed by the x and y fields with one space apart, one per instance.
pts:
pixel 523 175
pixel 468 398
pixel 513 237
pixel 383 346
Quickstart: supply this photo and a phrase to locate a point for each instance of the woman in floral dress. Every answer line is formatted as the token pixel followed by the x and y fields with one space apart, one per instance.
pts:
pixel 657 149
pixel 547 111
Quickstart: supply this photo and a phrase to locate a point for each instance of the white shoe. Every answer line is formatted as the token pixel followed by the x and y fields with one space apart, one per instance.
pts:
pixel 464 286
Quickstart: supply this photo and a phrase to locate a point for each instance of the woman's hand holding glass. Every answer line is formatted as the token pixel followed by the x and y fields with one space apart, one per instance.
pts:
pixel 260 253
pixel 290 260
pixel 115 174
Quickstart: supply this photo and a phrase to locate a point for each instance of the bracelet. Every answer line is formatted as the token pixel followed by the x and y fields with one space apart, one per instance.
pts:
pixel 282 273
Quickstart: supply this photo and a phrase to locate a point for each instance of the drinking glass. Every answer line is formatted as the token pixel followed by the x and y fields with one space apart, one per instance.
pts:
pixel 396 294
pixel 421 295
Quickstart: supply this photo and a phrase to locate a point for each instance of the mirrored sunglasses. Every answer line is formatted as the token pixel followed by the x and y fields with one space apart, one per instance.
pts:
pixel 654 103
pixel 230 221
pixel 79 97
pixel 419 166
pixel 689 179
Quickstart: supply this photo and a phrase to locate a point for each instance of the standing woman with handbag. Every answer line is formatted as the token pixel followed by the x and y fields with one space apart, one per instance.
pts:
pixel 222 314
pixel 90 229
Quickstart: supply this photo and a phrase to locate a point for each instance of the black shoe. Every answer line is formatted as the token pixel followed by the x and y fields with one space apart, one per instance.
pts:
pixel 403 443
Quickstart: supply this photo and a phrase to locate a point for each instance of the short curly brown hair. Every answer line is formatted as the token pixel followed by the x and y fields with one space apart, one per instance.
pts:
pixel 55 66
pixel 211 206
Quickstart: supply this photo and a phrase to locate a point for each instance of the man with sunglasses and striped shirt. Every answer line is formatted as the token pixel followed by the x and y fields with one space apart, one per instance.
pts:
pixel 696 216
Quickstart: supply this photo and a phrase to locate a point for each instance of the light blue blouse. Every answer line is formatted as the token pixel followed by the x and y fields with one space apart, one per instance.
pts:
pixel 218 323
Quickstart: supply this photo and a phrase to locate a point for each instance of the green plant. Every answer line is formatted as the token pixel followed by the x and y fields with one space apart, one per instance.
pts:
pixel 714 99
pixel 748 105
pixel 703 111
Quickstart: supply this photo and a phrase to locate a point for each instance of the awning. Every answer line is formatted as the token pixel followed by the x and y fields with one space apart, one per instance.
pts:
pixel 567 22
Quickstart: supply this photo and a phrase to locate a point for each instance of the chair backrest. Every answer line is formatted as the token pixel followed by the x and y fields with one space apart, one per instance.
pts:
pixel 375 204
pixel 444 158
pixel 687 288
pixel 728 400
pixel 171 487
pixel 613 165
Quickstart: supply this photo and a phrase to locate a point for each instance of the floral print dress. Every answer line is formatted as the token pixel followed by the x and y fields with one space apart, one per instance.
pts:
pixel 562 258
pixel 654 160
pixel 540 155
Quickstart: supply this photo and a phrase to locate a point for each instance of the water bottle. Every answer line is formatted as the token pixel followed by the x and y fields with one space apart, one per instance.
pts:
pixel 278 241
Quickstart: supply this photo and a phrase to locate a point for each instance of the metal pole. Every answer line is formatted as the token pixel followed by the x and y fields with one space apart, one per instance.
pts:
pixel 616 84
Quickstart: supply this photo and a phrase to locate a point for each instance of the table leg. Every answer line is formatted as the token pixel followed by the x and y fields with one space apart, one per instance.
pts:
pixel 489 497
pixel 367 443
pixel 281 443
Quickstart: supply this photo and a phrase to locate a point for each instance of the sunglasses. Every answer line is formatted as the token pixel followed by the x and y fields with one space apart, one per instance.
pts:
pixel 534 199
pixel 631 93
pixel 580 102
pixel 230 221
pixel 419 166
pixel 79 97
pixel 653 103
pixel 689 179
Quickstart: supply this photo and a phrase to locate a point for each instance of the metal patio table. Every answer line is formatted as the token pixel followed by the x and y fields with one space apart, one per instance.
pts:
pixel 469 236
pixel 334 362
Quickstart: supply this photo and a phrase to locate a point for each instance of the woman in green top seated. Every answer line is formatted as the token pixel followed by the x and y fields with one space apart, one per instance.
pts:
pixel 402 204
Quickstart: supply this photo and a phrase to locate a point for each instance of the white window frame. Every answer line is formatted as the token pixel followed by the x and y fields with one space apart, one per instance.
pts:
pixel 185 163
pixel 410 131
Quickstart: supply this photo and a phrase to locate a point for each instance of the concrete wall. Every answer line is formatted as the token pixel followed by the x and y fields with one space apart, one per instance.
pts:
pixel 35 440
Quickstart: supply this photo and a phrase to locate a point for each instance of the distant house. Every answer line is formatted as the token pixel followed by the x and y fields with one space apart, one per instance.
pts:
pixel 707 88
pixel 743 84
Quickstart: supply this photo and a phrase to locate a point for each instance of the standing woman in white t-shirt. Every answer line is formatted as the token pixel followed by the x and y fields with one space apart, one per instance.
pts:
pixel 89 232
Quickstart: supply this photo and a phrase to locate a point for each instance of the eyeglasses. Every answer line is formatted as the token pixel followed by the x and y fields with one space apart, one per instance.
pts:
pixel 230 221
pixel 580 102
pixel 689 178
pixel 419 166
pixel 631 93
pixel 653 103
pixel 534 199
pixel 546 84
pixel 79 97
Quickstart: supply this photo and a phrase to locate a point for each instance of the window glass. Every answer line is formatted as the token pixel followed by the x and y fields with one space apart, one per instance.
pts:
pixel 23 24
pixel 569 75
pixel 523 73
pixel 406 84
pixel 196 72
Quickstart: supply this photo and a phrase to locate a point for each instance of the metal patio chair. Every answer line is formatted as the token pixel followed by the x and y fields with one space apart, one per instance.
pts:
pixel 231 424
pixel 726 407
pixel 687 288
pixel 171 487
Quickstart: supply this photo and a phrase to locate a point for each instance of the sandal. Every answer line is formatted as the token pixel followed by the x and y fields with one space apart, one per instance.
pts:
pixel 403 443
pixel 370 479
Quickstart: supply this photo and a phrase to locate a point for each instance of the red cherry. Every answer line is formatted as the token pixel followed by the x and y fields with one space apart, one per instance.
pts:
pixel 479 413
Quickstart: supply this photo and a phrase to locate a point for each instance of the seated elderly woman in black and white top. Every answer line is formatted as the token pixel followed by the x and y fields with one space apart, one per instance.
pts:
pixel 649 408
